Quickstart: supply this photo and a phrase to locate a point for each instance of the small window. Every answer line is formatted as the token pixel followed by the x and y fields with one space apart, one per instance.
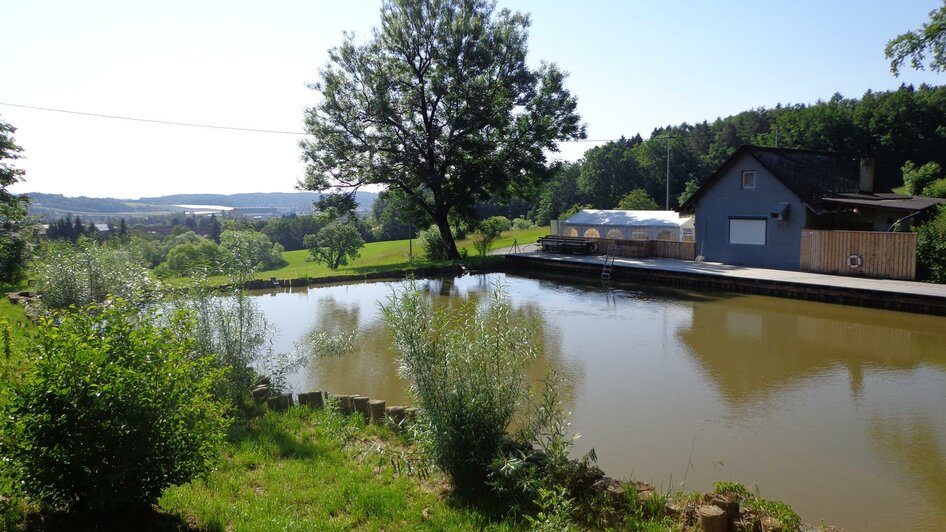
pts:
pixel 639 234
pixel 591 232
pixel 615 234
pixel 748 180
pixel 571 231
pixel 747 231
pixel 688 234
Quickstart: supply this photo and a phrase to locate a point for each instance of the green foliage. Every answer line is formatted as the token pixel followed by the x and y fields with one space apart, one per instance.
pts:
pixel 914 45
pixel 87 272
pixel 936 189
pixel 917 179
pixel 610 171
pixel 554 511
pixel 637 200
pixel 439 105
pixel 758 507
pixel 488 231
pixel 465 366
pixel 573 210
pixel 522 223
pixel 248 251
pixel 191 258
pixel 114 409
pixel 432 242
pixel 231 330
pixel 13 227
pixel 931 248
pixel 335 244
pixel 289 231
pixel 691 187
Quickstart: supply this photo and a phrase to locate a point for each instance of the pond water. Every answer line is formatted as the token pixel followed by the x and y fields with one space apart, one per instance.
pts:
pixel 839 411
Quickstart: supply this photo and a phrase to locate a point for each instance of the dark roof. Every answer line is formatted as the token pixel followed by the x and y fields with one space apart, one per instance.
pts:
pixel 810 175
pixel 886 201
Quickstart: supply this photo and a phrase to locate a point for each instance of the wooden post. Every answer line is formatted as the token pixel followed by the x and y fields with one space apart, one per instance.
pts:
pixel 360 403
pixel 712 518
pixel 771 524
pixel 280 402
pixel 316 399
pixel 396 414
pixel 376 410
pixel 345 405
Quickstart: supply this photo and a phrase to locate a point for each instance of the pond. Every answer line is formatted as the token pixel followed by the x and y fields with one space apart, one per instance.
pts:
pixel 839 411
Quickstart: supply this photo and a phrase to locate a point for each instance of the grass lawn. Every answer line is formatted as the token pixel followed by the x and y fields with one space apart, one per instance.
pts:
pixel 315 470
pixel 392 255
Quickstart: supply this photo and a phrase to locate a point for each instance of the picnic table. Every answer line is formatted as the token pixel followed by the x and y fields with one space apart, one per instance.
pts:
pixel 561 244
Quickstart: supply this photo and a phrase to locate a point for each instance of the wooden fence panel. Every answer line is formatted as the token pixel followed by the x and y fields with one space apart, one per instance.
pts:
pixel 642 249
pixel 859 253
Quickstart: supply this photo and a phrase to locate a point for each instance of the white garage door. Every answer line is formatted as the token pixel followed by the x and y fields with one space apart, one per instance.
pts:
pixel 743 231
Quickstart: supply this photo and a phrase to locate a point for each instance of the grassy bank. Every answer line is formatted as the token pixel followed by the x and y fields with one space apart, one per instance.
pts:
pixel 315 470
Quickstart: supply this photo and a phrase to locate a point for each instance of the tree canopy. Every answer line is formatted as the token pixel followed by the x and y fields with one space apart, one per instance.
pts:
pixel 930 38
pixel 440 106
pixel 12 210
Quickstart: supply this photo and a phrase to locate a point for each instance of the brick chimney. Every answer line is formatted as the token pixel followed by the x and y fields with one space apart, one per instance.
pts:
pixel 867 175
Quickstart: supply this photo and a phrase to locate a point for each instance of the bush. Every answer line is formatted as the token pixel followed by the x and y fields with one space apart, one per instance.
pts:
pixel 931 248
pixel 434 246
pixel 79 274
pixel 115 409
pixel 466 367
pixel 522 223
pixel 232 331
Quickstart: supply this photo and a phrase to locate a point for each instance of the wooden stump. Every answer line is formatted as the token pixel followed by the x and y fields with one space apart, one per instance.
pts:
pixel 395 414
pixel 360 404
pixel 316 399
pixel 280 403
pixel 376 410
pixel 345 404
pixel 730 505
pixel 712 518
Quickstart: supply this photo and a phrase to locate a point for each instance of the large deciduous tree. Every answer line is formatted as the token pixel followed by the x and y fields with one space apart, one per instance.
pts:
pixel 440 106
pixel 930 38
pixel 12 210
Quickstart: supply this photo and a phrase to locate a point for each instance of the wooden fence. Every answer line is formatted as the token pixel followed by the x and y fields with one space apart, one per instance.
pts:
pixel 642 249
pixel 859 253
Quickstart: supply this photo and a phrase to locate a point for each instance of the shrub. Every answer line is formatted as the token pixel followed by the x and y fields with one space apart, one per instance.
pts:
pixel 931 248
pixel 522 223
pixel 434 246
pixel 79 274
pixel 488 231
pixel 465 366
pixel 232 331
pixel 115 408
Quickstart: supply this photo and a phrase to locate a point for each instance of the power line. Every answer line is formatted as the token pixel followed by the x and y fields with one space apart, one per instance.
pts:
pixel 191 124
pixel 152 121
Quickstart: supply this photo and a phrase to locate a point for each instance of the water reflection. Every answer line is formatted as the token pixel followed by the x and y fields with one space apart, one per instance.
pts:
pixel 835 409
pixel 753 346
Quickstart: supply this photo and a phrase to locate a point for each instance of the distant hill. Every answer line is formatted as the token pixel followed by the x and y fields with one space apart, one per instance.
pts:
pixel 57 205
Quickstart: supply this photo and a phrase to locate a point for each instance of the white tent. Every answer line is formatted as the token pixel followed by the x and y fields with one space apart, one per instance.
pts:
pixel 629 225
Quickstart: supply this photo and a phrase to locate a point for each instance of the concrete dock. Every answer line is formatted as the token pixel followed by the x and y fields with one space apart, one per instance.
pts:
pixel 909 296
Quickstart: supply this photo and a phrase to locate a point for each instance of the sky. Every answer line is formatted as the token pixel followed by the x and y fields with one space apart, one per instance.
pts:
pixel 634 65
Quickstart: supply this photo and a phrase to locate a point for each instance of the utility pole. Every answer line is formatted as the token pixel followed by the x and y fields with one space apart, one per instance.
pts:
pixel 667 201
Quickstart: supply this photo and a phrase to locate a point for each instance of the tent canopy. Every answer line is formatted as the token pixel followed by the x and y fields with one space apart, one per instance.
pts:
pixel 628 225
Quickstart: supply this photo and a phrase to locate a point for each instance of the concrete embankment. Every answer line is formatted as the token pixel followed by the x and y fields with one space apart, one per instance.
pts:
pixel 905 296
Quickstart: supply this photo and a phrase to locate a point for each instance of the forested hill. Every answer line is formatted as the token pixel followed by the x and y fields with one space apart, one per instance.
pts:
pixel 57 205
pixel 893 127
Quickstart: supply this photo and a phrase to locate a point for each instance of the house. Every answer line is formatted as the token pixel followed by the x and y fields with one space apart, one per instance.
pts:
pixel 753 209
pixel 628 225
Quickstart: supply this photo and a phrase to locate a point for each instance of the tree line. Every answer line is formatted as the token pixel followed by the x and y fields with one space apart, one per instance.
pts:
pixel 903 127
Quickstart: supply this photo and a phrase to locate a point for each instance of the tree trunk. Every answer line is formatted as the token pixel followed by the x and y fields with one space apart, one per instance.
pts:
pixel 449 243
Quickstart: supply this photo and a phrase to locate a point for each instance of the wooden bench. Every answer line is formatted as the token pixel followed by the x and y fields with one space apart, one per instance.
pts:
pixel 559 244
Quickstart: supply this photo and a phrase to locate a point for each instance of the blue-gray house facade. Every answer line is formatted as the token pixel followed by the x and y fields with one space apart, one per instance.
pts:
pixel 753 209
pixel 735 223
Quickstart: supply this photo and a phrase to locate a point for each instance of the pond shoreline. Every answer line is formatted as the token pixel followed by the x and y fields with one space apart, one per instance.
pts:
pixel 667 272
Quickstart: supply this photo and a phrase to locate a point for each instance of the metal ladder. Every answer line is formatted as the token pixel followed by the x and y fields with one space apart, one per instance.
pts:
pixel 608 264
